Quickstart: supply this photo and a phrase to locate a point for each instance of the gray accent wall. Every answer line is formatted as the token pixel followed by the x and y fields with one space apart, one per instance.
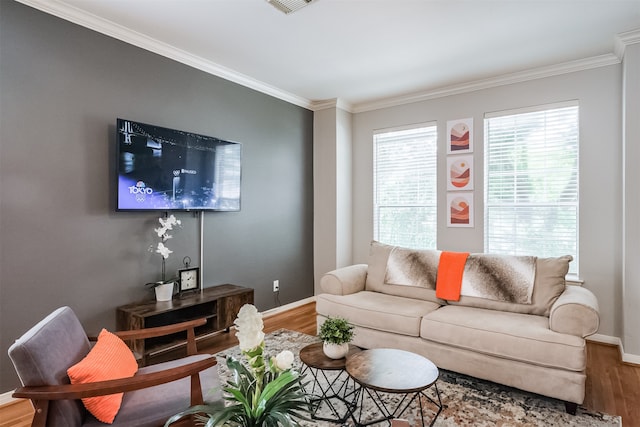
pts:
pixel 61 241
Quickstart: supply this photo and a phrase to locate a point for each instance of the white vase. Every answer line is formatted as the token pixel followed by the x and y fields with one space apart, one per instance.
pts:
pixel 164 292
pixel 335 351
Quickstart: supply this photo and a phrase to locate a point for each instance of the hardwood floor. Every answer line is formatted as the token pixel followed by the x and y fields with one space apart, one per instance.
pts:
pixel 301 319
pixel 612 386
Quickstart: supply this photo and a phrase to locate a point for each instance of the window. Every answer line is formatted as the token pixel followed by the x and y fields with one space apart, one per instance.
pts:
pixel 405 191
pixel 531 182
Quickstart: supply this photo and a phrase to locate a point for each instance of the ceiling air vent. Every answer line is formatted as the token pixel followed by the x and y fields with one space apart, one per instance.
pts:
pixel 288 6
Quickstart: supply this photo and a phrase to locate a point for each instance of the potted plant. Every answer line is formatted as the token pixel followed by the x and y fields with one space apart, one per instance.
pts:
pixel 262 392
pixel 165 287
pixel 336 333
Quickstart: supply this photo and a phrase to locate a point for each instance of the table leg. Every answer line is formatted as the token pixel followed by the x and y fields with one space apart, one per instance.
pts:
pixel 336 400
pixel 359 403
pixel 400 407
pixel 416 396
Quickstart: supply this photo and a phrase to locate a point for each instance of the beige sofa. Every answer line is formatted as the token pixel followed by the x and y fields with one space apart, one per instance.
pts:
pixel 538 346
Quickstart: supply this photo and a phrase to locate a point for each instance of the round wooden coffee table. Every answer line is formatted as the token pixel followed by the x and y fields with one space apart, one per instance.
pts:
pixel 393 371
pixel 331 389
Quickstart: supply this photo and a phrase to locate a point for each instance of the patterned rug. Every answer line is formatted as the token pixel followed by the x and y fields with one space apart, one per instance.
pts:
pixel 466 401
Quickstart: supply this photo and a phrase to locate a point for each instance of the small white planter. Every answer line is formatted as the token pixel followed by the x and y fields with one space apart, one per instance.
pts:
pixel 164 292
pixel 335 351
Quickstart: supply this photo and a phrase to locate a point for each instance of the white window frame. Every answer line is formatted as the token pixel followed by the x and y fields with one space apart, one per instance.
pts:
pixel 429 233
pixel 522 236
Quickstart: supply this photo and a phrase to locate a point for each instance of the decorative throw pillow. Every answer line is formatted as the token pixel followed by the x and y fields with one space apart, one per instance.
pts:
pixel 377 273
pixel 109 359
pixel 548 284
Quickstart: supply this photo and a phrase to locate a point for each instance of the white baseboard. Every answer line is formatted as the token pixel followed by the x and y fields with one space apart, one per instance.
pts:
pixel 289 306
pixel 5 398
pixel 631 358
pixel 607 339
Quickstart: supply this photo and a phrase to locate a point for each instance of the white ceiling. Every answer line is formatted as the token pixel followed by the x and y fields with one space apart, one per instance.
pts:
pixel 362 51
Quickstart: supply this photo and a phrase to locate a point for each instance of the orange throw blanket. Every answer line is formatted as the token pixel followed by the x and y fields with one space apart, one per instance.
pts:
pixel 449 280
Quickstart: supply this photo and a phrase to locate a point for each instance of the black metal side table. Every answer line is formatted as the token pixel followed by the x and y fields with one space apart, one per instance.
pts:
pixel 393 371
pixel 330 385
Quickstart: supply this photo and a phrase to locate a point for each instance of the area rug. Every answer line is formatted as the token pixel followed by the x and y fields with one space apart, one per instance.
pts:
pixel 466 401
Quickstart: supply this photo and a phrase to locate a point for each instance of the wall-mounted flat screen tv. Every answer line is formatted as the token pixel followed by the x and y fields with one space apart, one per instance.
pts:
pixel 167 170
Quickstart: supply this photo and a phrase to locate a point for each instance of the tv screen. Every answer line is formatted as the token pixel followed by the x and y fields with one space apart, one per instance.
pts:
pixel 166 169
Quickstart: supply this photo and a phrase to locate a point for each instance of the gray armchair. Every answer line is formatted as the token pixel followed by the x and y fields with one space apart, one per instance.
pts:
pixel 42 356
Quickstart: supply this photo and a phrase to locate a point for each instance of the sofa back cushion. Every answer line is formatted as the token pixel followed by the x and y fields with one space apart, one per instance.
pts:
pixel 389 279
pixel 548 285
pixel 384 276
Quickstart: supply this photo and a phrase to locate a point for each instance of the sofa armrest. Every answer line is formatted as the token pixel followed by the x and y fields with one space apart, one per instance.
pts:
pixel 575 312
pixel 345 281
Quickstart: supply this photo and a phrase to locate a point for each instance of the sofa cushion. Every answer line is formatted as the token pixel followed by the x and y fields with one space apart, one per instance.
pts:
pixel 377 311
pixel 506 278
pixel 548 285
pixel 378 258
pixel 521 337
pixel 410 267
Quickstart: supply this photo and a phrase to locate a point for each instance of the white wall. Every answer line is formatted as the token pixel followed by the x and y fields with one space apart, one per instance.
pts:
pixel 332 190
pixel 598 92
pixel 344 188
pixel 631 235
pixel 324 192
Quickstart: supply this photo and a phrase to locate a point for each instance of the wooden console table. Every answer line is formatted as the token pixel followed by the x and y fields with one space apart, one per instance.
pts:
pixel 218 304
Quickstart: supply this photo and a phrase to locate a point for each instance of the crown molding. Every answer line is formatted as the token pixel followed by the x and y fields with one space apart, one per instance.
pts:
pixel 326 104
pixel 623 40
pixel 117 31
pixel 506 79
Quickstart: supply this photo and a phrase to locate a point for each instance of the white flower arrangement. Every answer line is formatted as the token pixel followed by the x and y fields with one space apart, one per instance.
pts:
pixel 249 324
pixel 284 360
pixel 166 224
pixel 267 392
pixel 251 337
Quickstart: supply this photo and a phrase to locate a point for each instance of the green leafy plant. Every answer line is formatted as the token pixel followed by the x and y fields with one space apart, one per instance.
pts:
pixel 266 393
pixel 336 330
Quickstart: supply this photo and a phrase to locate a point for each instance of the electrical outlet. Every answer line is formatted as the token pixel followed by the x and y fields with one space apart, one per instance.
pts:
pixel 276 285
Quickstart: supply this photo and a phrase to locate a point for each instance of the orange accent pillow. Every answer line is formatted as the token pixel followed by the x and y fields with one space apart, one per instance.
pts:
pixel 109 359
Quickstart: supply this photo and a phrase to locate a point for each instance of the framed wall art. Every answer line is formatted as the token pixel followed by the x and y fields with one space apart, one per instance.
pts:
pixel 459 173
pixel 460 209
pixel 460 136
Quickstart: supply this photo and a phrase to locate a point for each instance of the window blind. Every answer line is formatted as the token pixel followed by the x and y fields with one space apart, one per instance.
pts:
pixel 405 186
pixel 531 183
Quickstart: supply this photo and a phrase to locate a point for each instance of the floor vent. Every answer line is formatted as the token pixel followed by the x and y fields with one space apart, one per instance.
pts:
pixel 289 6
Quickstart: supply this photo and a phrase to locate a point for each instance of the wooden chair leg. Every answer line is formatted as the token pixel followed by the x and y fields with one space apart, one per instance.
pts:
pixel 41 409
pixel 196 390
